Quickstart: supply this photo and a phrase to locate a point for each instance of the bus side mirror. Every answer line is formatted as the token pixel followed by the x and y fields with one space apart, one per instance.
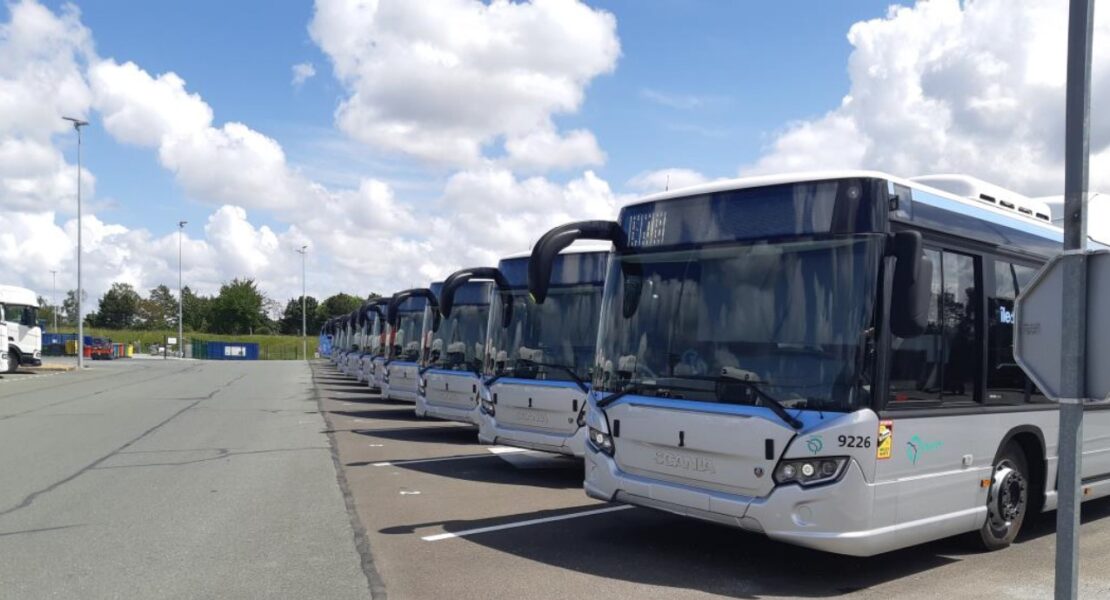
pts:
pixel 458 278
pixel 553 242
pixel 911 293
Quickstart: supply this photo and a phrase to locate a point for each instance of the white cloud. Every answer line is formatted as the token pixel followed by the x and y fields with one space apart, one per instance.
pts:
pixel 362 239
pixel 665 179
pixel 443 80
pixel 943 86
pixel 302 72
pixel 545 149
pixel 676 101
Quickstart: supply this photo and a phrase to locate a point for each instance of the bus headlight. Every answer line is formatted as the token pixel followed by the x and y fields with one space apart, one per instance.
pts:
pixel 487 406
pixel 602 442
pixel 810 471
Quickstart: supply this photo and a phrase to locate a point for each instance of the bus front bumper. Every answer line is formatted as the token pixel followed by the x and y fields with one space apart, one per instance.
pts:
pixel 835 517
pixel 489 432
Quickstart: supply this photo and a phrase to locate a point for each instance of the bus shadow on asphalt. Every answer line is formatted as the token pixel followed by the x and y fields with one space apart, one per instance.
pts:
pixel 493 469
pixel 654 548
pixel 389 414
pixel 456 435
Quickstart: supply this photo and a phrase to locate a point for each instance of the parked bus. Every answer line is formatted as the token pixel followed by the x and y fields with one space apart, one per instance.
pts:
pixel 374 312
pixel 455 335
pixel 404 319
pixel 826 359
pixel 19 312
pixel 324 340
pixel 538 358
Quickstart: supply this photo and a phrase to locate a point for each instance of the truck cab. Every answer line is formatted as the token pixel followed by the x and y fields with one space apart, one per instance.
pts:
pixel 19 313
pixel 539 358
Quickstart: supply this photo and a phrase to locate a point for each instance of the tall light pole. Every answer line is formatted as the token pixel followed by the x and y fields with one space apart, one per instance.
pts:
pixel 304 312
pixel 180 293
pixel 77 125
pixel 54 298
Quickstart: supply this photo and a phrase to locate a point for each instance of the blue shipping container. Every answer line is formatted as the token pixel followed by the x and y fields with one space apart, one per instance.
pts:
pixel 232 350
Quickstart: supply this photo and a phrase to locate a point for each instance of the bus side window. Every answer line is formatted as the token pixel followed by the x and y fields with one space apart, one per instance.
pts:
pixel 1006 382
pixel 943 363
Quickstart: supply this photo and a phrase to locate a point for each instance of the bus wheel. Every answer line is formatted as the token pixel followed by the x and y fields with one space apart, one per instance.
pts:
pixel 13 360
pixel 1007 500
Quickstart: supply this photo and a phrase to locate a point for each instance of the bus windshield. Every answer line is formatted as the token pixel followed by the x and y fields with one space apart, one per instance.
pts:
pixel 374 345
pixel 736 323
pixel 554 340
pixel 460 341
pixel 406 336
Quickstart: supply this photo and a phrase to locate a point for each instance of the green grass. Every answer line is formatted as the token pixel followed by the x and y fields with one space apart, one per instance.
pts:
pixel 270 347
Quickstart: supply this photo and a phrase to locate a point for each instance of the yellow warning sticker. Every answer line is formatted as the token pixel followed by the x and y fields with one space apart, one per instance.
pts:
pixel 886 440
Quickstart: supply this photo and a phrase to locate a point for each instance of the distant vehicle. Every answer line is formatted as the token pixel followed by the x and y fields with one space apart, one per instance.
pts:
pixel 826 359
pixel 19 312
pixel 3 348
pixel 454 346
pixel 538 358
pixel 404 319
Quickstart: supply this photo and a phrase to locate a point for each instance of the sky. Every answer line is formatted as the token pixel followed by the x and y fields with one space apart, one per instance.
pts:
pixel 403 140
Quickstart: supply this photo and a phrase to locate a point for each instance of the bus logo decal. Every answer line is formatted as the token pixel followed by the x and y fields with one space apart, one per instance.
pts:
pixel 915 447
pixel 814 444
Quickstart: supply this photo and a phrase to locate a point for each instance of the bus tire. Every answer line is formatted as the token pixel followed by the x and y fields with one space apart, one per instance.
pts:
pixel 1007 499
pixel 13 360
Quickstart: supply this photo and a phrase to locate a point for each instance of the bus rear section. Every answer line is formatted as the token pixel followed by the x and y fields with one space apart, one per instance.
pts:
pixel 455 339
pixel 404 320
pixel 538 356
pixel 19 312
pixel 821 358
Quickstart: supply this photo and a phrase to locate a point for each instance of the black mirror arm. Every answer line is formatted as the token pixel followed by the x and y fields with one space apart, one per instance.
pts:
pixel 459 278
pixel 554 241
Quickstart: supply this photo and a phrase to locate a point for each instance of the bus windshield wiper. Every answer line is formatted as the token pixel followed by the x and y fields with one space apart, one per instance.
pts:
pixel 749 379
pixel 569 371
pixel 639 387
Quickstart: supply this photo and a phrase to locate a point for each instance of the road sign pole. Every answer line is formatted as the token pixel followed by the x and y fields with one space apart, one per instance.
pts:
pixel 1073 343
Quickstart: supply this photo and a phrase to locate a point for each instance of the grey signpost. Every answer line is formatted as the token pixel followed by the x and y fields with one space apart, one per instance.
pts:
pixel 1052 321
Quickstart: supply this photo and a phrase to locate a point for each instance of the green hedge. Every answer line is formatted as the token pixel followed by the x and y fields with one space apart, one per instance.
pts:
pixel 270 347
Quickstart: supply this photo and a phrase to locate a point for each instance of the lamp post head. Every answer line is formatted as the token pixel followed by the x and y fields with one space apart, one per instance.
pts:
pixel 182 224
pixel 77 123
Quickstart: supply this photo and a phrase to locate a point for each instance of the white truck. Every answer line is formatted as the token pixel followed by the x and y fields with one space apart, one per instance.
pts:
pixel 19 314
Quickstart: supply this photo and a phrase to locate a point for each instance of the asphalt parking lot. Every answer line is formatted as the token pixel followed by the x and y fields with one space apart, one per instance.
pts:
pixel 445 516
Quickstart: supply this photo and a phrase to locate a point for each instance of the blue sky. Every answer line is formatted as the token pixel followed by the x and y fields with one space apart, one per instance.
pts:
pixel 444 134
pixel 733 73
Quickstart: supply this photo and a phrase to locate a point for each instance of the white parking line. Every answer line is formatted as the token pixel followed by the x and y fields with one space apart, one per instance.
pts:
pixel 458 534
pixel 417 461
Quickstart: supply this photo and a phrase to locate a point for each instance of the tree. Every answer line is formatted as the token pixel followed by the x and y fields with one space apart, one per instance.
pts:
pixel 119 307
pixel 159 310
pixel 69 309
pixel 290 322
pixel 196 311
pixel 339 304
pixel 239 308
pixel 46 313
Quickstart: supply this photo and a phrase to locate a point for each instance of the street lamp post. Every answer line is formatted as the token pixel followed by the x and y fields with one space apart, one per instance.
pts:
pixel 77 125
pixel 304 311
pixel 180 293
pixel 54 298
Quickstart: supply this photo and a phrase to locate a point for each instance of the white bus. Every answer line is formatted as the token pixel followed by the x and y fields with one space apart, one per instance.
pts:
pixel 454 346
pixel 19 312
pixel 373 316
pixel 538 358
pixel 826 359
pixel 404 321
